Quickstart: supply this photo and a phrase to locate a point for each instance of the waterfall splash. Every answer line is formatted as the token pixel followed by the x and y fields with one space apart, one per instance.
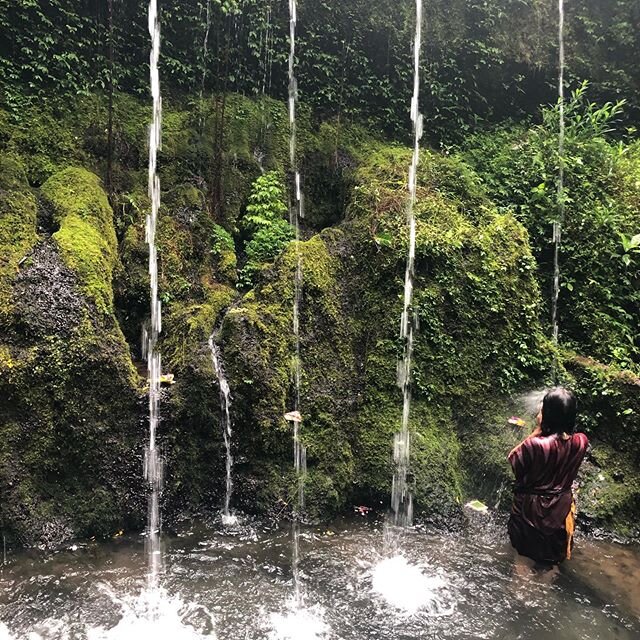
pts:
pixel 411 588
pixel 225 405
pixel 295 214
pixel 557 225
pixel 153 464
pixel 155 614
pixel 401 499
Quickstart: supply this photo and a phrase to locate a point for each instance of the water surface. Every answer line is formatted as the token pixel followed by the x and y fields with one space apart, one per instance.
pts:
pixel 235 583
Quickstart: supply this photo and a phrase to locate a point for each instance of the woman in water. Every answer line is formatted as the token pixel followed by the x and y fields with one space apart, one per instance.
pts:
pixel 545 465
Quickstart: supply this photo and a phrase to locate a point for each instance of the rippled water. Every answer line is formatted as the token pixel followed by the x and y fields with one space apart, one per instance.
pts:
pixel 236 584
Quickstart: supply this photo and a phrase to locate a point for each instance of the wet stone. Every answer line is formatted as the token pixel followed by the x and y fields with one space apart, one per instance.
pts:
pixel 46 294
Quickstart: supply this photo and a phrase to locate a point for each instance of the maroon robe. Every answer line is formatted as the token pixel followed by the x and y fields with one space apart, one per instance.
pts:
pixel 545 468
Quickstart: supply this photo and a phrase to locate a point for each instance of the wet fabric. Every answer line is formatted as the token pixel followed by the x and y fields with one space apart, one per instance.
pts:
pixel 540 526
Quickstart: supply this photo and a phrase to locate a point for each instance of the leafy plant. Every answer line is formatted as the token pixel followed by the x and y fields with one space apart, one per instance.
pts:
pixel 599 300
pixel 267 232
pixel 265 246
pixel 266 203
pixel 630 247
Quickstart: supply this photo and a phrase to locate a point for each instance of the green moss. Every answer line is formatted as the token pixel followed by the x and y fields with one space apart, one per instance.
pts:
pixel 53 136
pixel 476 299
pixel 609 495
pixel 609 401
pixel 86 235
pixel 70 406
pixel 188 327
pixel 18 218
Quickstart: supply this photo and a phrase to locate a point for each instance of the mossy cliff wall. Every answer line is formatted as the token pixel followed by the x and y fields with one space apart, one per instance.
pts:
pixel 609 495
pixel 74 296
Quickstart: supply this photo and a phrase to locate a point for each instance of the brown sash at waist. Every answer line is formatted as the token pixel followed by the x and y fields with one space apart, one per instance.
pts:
pixel 540 492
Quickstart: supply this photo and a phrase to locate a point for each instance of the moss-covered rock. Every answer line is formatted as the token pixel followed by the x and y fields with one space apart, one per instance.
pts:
pixel 609 493
pixel 50 138
pixel 70 461
pixel 70 447
pixel 476 301
pixel 609 413
pixel 85 234
pixel 18 219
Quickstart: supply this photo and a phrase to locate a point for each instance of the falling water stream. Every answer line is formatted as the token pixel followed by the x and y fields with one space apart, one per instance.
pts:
pixel 296 213
pixel 205 49
pixel 401 499
pixel 225 405
pixel 266 60
pixel 557 225
pixel 153 460
pixel 266 66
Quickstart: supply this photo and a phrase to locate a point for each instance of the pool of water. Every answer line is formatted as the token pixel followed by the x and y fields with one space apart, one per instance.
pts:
pixel 235 583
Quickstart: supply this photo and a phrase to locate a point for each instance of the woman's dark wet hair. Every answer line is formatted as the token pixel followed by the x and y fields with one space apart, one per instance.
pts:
pixel 559 411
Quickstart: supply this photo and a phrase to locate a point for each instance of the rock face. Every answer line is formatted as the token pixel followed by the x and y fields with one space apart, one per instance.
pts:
pixel 70 410
pixel 609 496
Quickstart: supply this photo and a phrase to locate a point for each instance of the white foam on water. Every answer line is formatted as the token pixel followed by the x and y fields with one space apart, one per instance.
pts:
pixel 229 520
pixel 298 623
pixel 155 614
pixel 4 632
pixel 409 589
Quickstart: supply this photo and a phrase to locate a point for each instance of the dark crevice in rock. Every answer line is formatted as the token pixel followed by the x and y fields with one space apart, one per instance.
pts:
pixel 46 222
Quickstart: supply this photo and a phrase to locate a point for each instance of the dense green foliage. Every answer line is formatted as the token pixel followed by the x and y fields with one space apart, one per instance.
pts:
pixel 599 267
pixel 482 61
pixel 74 272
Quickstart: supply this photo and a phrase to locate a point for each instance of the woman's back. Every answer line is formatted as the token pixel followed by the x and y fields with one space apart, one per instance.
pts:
pixel 545 465
pixel 548 463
